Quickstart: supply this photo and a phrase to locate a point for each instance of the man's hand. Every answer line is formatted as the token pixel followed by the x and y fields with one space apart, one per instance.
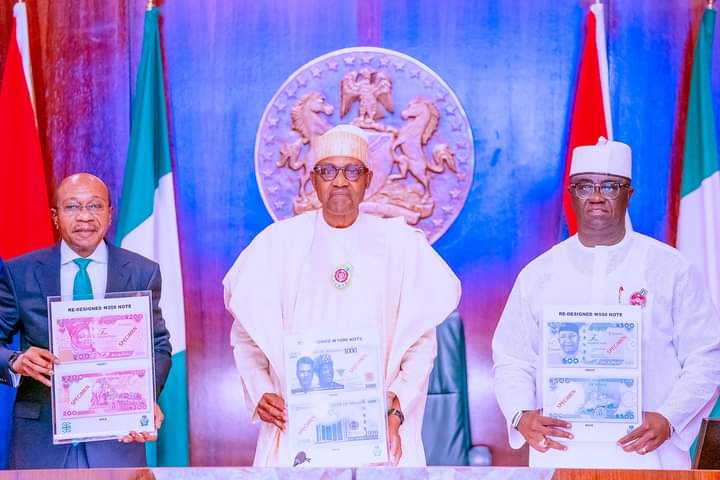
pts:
pixel 652 433
pixel 271 409
pixel 35 363
pixel 159 417
pixel 143 437
pixel 537 431
pixel 394 442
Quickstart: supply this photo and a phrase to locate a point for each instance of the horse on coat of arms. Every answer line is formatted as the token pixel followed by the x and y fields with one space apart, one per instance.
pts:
pixel 422 118
pixel 306 118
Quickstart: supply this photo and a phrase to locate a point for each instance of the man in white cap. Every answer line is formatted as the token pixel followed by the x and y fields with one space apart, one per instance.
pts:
pixel 606 264
pixel 332 270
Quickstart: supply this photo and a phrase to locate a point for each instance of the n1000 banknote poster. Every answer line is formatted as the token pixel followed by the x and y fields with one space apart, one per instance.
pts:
pixel 104 386
pixel 336 399
pixel 592 374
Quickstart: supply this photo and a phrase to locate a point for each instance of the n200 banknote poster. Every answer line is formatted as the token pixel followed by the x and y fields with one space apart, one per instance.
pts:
pixel 335 399
pixel 591 363
pixel 104 386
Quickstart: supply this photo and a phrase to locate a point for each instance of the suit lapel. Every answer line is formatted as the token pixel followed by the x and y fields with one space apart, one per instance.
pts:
pixel 118 279
pixel 47 273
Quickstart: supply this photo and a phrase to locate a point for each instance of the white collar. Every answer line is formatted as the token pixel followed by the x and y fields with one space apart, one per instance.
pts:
pixel 325 227
pixel 609 248
pixel 67 254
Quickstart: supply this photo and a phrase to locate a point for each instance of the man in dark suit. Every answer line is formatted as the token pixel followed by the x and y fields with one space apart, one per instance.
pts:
pixel 81 261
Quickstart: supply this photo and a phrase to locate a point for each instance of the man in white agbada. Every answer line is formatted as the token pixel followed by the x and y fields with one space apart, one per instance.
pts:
pixel 286 282
pixel 605 264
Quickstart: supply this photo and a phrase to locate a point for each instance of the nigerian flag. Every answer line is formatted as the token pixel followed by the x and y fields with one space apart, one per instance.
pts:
pixel 147 225
pixel 699 221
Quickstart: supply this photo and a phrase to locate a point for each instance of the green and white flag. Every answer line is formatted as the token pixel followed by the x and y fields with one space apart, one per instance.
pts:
pixel 699 221
pixel 147 224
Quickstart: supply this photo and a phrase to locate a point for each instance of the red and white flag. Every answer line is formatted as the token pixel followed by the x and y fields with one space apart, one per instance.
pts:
pixel 25 223
pixel 590 117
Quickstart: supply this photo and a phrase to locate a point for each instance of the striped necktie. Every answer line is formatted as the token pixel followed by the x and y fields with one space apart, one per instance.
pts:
pixel 82 288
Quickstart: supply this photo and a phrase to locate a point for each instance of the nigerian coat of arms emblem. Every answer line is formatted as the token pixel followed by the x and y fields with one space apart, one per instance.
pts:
pixel 421 145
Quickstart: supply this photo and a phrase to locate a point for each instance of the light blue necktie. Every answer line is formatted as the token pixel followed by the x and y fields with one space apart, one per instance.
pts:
pixel 82 288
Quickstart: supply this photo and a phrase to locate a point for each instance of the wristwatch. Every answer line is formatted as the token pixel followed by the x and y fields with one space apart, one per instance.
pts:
pixel 397 413
pixel 11 359
pixel 517 417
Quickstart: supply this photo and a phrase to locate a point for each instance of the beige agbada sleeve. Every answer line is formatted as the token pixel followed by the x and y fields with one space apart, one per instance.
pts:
pixel 251 362
pixel 260 290
pixel 258 293
pixel 422 292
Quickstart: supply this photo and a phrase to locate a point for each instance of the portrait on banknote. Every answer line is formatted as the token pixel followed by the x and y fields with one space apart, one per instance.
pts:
pixel 578 343
pixel 591 359
pixel 335 399
pixel 104 385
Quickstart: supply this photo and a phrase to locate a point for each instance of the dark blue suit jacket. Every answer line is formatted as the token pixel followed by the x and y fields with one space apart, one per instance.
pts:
pixel 24 289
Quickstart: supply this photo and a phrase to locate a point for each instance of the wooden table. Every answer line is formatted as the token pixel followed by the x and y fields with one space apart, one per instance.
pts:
pixel 430 473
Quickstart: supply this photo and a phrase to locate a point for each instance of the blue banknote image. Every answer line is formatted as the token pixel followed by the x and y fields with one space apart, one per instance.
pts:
pixel 305 372
pixel 593 399
pixel 591 344
pixel 315 374
pixel 326 373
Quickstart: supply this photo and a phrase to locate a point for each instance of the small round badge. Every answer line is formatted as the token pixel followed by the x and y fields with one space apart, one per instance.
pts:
pixel 639 298
pixel 341 277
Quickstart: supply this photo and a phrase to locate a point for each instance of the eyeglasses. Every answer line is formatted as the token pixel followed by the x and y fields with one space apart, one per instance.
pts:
pixel 73 209
pixel 329 172
pixel 609 190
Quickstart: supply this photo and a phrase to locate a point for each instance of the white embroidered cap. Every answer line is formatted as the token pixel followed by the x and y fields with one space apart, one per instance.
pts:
pixel 613 158
pixel 342 141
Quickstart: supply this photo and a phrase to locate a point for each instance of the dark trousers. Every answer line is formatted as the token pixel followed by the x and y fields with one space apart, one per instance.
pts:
pixel 77 457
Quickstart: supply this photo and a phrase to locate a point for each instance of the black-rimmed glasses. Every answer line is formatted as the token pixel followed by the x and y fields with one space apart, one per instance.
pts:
pixel 73 209
pixel 329 172
pixel 609 190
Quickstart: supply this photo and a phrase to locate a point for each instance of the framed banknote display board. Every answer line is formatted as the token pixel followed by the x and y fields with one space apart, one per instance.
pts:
pixel 336 403
pixel 592 369
pixel 104 386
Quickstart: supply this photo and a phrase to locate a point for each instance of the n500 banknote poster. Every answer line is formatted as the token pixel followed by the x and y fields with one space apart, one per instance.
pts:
pixel 335 399
pixel 591 359
pixel 104 386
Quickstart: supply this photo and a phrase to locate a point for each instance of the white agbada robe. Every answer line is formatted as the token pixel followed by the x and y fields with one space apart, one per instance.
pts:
pixel 681 341
pixel 281 284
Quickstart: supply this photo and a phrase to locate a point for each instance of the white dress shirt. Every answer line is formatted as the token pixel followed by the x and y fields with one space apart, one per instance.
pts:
pixel 97 269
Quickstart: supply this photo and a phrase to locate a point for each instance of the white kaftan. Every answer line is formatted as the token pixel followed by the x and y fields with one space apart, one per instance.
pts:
pixel 681 341
pixel 282 284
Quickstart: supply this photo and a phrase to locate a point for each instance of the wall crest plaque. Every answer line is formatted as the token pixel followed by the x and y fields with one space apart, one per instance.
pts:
pixel 421 146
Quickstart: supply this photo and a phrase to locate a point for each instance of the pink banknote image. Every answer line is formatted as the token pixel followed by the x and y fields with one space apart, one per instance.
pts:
pixel 101 338
pixel 93 394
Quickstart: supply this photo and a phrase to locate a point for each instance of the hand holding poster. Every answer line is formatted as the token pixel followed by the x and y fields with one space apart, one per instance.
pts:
pixel 591 375
pixel 103 387
pixel 335 399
